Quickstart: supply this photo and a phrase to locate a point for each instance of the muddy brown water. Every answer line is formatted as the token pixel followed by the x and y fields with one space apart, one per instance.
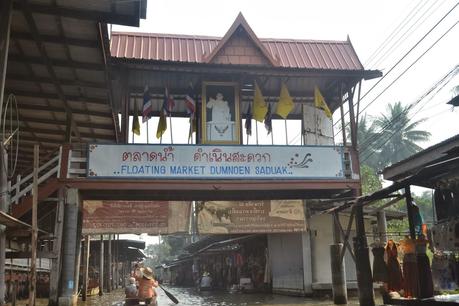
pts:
pixel 190 297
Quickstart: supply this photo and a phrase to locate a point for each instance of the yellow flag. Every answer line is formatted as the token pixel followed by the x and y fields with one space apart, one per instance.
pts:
pixel 319 101
pixel 285 104
pixel 259 105
pixel 135 121
pixel 162 125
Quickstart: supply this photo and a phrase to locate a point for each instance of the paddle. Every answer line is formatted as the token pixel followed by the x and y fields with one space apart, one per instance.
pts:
pixel 169 295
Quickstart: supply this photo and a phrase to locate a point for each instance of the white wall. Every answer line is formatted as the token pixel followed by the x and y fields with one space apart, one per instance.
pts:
pixel 321 238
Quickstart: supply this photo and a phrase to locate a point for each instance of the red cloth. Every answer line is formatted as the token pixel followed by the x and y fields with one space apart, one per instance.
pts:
pixel 395 278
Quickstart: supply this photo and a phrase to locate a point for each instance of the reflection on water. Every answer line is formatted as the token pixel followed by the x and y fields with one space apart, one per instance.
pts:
pixel 189 297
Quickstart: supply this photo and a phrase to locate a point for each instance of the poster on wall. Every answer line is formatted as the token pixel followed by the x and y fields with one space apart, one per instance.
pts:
pixel 220 113
pixel 226 217
pixel 135 217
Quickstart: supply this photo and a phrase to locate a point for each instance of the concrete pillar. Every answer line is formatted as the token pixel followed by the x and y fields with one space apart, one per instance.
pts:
pixel 307 252
pixel 57 249
pixel 71 244
pixel 339 286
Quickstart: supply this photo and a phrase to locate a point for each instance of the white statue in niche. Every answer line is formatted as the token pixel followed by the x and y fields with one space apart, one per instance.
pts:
pixel 220 127
pixel 220 109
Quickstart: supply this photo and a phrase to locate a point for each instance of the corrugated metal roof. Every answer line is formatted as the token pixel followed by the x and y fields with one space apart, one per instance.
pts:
pixel 309 54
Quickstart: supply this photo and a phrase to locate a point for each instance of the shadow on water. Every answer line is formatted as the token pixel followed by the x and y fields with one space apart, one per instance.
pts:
pixel 190 297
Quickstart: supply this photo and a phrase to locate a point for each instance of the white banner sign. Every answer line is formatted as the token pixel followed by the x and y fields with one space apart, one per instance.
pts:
pixel 215 162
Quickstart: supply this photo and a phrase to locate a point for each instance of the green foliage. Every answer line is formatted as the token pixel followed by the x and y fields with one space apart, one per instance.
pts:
pixel 391 137
pixel 157 253
pixel 370 180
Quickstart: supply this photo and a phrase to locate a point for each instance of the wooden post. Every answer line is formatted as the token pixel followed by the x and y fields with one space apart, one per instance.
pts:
pixel 109 270
pixel 3 207
pixel 101 266
pixel 339 286
pixel 6 12
pixel 57 247
pixel 33 261
pixel 87 247
pixel 410 211
pixel 362 260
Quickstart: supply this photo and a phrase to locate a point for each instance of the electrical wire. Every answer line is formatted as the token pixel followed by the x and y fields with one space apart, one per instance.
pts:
pixel 407 33
pixel 444 80
pixel 403 72
pixel 389 37
pixel 402 58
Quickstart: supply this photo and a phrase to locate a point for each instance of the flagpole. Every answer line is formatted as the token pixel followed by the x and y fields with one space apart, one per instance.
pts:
pixel 286 134
pixel 256 130
pixel 147 134
pixel 170 123
pixel 302 125
pixel 190 131
pixel 272 136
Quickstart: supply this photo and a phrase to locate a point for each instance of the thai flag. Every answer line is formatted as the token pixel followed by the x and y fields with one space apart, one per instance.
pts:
pixel 190 101
pixel 168 102
pixel 147 109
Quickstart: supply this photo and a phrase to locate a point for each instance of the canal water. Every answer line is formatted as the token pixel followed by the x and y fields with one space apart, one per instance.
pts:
pixel 190 297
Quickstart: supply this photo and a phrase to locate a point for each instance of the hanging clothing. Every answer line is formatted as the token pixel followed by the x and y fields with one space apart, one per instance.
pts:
pixel 410 268
pixel 380 273
pixel 424 271
pixel 410 273
pixel 395 279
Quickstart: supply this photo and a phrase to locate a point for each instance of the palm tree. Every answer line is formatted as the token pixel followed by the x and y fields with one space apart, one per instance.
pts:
pixel 398 136
pixel 366 135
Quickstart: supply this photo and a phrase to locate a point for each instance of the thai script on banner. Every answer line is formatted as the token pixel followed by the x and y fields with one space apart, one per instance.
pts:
pixel 219 162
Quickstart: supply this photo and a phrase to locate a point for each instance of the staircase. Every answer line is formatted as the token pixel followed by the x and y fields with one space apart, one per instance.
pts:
pixel 67 163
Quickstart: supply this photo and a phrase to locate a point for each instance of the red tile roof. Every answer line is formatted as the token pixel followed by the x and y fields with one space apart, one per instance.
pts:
pixel 309 54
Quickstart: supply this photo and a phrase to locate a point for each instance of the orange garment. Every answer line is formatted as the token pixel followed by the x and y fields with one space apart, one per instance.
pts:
pixel 146 290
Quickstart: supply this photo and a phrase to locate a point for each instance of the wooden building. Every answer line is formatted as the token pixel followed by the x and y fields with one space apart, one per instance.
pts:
pixel 76 92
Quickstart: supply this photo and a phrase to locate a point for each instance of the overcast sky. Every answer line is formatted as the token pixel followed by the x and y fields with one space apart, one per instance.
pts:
pixel 369 24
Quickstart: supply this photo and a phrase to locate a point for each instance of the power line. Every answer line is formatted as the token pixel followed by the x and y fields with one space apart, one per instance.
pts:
pixel 449 76
pixel 444 80
pixel 407 33
pixel 393 34
pixel 401 59
pixel 403 72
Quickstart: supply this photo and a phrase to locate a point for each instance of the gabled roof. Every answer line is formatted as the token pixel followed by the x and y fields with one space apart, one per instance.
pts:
pixel 283 53
pixel 241 22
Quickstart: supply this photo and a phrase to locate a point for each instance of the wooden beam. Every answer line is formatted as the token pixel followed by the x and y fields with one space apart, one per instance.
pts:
pixel 57 39
pixel 62 133
pixel 48 63
pixel 56 62
pixel 56 96
pixel 103 40
pixel 64 82
pixel 82 13
pixel 35 107
pixel 40 254
pixel 64 123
